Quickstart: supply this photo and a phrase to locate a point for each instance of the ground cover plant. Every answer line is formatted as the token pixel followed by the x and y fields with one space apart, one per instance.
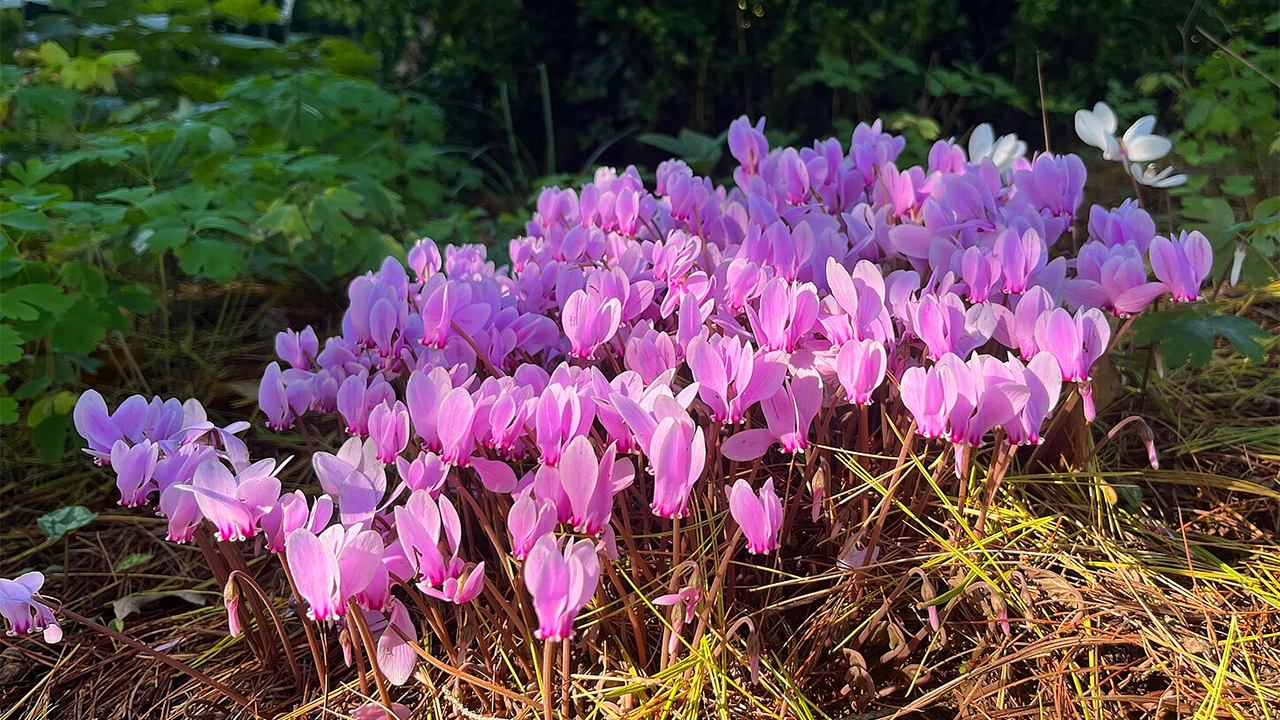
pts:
pixel 674 451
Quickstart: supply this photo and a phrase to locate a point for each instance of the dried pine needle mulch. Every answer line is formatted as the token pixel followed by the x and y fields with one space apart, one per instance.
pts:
pixel 1111 592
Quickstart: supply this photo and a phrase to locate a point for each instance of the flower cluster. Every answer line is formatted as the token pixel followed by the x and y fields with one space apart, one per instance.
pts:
pixel 642 339
pixel 1137 146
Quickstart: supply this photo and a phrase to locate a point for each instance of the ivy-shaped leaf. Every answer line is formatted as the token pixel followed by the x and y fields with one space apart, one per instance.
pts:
pixel 64 520
pixel 1186 335
pixel 25 302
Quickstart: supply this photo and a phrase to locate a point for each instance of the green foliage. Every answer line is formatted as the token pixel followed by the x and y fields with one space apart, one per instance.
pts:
pixel 624 69
pixel 1187 334
pixel 145 144
pixel 700 151
pixel 1230 139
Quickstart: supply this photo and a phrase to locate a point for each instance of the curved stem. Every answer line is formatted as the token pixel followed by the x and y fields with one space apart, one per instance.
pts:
pixel 244 579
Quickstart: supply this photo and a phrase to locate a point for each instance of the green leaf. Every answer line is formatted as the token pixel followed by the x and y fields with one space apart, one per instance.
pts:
pixel 1238 185
pixel 160 235
pixel 1186 334
pixel 25 302
pixel 8 410
pixel 10 345
pixel 30 389
pixel 26 220
pixel 81 328
pixel 50 438
pixel 217 260
pixel 133 560
pixel 64 520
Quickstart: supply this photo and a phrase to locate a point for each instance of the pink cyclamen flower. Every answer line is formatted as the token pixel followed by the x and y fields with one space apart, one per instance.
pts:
pixel 389 430
pixel 787 312
pixel 23 612
pixel 422 523
pixel 332 567
pixel 527 521
pixel 560 582
pixel 233 503
pixel 135 468
pixel 861 366
pixel 759 516
pixel 678 454
pixel 788 415
pixel 292 512
pixel 1182 264
pixel 926 395
pixel 590 321
pixel 589 484
pixel 1076 342
pixel 461 589
pixel 96 426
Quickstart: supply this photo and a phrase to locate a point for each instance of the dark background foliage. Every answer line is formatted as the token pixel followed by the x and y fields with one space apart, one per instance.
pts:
pixel 616 69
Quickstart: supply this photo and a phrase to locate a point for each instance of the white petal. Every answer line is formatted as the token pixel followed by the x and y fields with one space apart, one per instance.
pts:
pixel 1106 116
pixel 980 142
pixel 1008 149
pixel 1173 181
pixel 1112 149
pixel 1090 129
pixel 1147 148
pixel 1143 126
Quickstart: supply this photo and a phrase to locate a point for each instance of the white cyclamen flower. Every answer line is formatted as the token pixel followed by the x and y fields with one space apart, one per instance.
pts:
pixel 1097 127
pixel 1156 178
pixel 1003 152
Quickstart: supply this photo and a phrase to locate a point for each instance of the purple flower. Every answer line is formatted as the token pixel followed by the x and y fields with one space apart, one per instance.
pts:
pixel 332 567
pixel 1182 264
pixel 861 366
pixel 561 582
pixel 1076 342
pixel 23 612
pixel 759 516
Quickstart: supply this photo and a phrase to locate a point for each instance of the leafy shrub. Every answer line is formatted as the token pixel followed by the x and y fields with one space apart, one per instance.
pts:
pixel 126 170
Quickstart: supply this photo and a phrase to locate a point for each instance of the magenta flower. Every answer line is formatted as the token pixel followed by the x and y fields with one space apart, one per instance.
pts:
pixel 1020 256
pixel 23 612
pixel 527 521
pixel 332 567
pixel 95 425
pixel 759 516
pixel 1182 264
pixel 560 583
pixel 861 366
pixel 1076 343
pixel 135 469
pixel 389 430
pixel 590 484
pixel 678 454
pixel 589 322
pixel 298 349
pixel 430 533
pixel 787 312
pixel 394 656
pixel 463 588
pixel 927 396
pixel 233 503
pixel 292 512
pixel 732 376
pixel 1043 379
pixel 788 415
